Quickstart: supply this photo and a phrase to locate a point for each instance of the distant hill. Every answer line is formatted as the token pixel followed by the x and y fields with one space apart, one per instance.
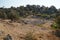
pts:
pixel 35 10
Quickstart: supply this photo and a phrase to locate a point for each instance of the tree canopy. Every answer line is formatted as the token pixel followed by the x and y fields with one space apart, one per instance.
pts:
pixel 24 11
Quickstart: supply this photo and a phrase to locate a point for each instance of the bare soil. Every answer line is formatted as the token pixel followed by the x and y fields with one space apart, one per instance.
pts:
pixel 19 30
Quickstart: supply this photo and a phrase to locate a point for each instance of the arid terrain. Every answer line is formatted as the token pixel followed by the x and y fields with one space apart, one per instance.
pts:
pixel 18 31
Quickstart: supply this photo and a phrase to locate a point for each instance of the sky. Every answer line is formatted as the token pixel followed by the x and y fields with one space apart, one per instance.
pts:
pixel 17 3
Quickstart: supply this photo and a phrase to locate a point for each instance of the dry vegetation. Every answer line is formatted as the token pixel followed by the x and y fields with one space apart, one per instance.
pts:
pixel 21 31
pixel 30 22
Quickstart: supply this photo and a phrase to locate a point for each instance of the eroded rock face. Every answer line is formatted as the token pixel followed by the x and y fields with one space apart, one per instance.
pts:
pixel 33 21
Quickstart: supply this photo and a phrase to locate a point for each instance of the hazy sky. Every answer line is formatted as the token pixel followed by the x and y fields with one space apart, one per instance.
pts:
pixel 15 3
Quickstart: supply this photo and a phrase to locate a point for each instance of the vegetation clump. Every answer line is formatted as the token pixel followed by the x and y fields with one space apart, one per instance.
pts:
pixel 56 24
pixel 29 36
pixel 35 10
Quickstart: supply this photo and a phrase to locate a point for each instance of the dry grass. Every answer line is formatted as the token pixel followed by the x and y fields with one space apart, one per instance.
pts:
pixel 20 31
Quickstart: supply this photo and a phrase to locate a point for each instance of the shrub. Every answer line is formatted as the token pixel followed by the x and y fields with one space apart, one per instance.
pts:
pixel 3 15
pixel 13 15
pixel 58 21
pixel 56 24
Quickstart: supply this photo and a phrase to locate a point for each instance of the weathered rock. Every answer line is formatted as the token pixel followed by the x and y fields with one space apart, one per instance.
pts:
pixel 8 37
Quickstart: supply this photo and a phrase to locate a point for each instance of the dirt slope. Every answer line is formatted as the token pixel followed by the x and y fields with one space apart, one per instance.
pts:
pixel 19 30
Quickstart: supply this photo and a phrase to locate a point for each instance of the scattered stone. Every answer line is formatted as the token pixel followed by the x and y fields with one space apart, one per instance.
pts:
pixel 8 37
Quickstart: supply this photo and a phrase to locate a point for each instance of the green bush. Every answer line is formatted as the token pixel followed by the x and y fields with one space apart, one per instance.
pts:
pixel 13 15
pixel 56 25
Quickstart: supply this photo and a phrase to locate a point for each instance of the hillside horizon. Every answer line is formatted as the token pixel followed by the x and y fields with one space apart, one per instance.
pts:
pixel 29 4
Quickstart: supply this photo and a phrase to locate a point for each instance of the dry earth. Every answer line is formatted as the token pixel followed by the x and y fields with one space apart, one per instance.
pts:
pixel 19 30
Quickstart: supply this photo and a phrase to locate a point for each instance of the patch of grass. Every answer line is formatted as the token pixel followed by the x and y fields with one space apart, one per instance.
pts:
pixel 29 36
pixel 40 25
pixel 54 26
